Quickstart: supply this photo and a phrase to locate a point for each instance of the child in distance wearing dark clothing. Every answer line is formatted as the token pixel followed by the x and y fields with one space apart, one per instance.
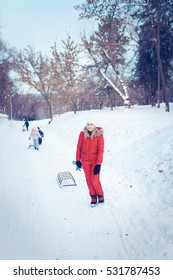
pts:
pixel 40 139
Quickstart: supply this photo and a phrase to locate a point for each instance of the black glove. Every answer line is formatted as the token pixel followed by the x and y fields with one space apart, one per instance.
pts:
pixel 78 164
pixel 97 169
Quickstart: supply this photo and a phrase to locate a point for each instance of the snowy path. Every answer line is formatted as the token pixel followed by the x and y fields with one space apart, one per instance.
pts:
pixel 45 222
pixel 39 220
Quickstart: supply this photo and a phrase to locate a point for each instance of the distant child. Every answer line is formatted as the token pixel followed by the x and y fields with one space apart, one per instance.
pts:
pixel 40 139
pixel 35 136
pixel 89 155
pixel 27 125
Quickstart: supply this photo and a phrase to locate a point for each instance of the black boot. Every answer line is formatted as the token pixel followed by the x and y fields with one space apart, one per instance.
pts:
pixel 93 200
pixel 101 198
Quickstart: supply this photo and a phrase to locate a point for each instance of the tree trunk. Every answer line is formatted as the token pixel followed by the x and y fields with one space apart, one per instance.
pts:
pixel 156 34
pixel 49 108
pixel 11 108
pixel 125 94
pixel 125 97
pixel 160 67
pixel 158 89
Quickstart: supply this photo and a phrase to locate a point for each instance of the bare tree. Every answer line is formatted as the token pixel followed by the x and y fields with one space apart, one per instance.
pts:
pixel 66 64
pixel 107 45
pixel 7 87
pixel 36 71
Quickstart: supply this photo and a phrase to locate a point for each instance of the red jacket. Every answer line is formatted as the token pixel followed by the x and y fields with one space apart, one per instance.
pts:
pixel 90 148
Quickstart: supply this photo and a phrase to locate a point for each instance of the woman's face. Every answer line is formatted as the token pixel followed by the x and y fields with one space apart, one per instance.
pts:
pixel 90 126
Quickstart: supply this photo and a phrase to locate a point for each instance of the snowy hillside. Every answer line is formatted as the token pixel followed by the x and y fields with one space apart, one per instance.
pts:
pixel 41 221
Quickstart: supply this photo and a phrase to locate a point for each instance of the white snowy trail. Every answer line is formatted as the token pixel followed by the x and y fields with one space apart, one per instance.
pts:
pixel 39 220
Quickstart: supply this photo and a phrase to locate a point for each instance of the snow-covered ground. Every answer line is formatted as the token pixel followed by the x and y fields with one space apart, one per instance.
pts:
pixel 41 221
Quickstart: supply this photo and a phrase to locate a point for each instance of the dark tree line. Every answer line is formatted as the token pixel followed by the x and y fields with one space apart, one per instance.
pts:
pixel 155 52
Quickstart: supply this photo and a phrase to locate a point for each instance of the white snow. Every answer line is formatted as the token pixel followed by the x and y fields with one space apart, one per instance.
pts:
pixel 41 221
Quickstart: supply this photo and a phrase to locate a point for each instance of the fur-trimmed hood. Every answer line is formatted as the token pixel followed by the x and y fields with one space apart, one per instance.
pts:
pixel 97 131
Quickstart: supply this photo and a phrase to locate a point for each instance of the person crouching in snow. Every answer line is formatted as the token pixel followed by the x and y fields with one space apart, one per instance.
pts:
pixel 89 155
pixel 35 136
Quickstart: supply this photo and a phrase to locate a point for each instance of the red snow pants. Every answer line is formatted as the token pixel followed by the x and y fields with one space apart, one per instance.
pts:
pixel 93 181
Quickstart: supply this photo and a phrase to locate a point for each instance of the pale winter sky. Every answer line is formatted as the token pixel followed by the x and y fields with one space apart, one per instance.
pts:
pixel 39 23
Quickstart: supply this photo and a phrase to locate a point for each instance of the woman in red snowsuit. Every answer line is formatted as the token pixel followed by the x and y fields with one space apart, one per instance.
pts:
pixel 89 155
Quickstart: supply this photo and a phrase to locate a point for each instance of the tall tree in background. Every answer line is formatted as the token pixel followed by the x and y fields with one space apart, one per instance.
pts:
pixel 157 15
pixel 7 86
pixel 36 71
pixel 107 45
pixel 66 63
pixel 146 68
